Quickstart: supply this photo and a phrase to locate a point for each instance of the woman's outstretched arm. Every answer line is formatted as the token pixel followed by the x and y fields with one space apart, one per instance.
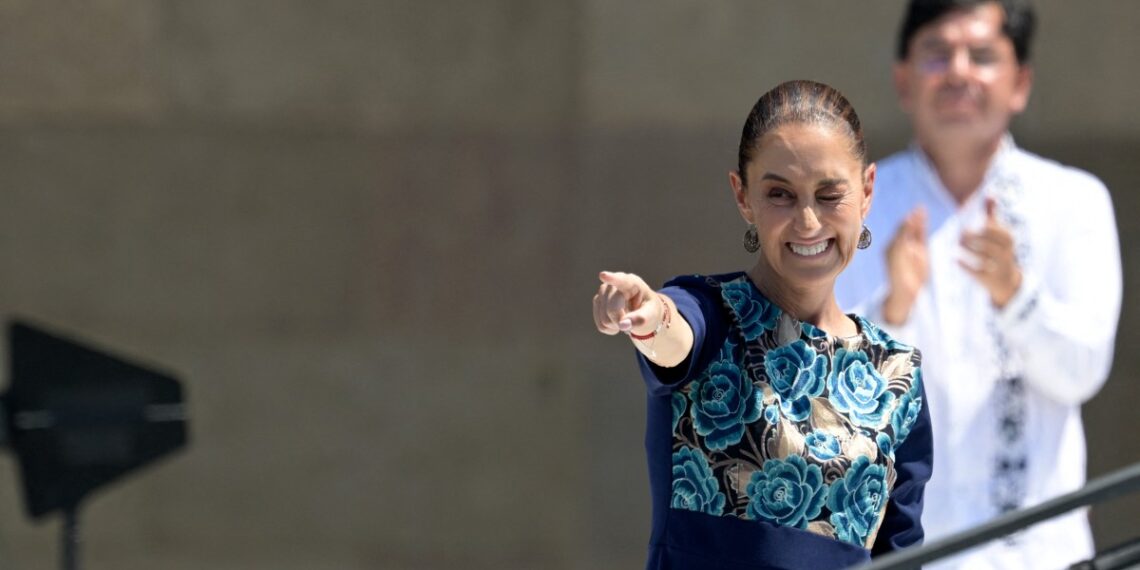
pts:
pixel 626 304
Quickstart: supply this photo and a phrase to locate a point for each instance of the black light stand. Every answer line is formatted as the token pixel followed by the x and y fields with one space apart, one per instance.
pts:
pixel 77 419
pixel 70 547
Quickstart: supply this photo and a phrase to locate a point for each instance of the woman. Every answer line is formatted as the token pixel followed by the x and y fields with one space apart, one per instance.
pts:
pixel 782 433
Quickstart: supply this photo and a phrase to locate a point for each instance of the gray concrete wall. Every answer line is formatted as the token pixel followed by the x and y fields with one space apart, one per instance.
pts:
pixel 367 234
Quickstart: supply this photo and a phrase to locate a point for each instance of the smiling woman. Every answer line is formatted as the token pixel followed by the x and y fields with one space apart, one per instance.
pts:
pixel 807 201
pixel 782 433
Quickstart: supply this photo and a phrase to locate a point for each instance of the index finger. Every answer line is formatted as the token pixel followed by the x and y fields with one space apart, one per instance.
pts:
pixel 624 282
pixel 918 223
pixel 991 208
pixel 992 236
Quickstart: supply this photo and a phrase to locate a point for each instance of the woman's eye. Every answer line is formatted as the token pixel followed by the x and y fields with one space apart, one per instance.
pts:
pixel 830 197
pixel 779 194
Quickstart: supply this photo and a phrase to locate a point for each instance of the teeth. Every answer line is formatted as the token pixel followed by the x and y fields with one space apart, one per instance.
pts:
pixel 809 249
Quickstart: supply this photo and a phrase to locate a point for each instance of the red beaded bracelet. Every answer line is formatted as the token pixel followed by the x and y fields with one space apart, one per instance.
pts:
pixel 664 322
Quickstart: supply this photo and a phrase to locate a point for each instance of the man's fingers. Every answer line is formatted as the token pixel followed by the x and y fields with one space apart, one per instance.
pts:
pixel 915 254
pixel 977 272
pixel 920 223
pixel 915 225
pixel 975 243
pixel 995 245
pixel 995 229
pixel 996 234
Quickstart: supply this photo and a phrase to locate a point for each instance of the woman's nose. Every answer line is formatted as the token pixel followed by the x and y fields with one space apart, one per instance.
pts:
pixel 807 220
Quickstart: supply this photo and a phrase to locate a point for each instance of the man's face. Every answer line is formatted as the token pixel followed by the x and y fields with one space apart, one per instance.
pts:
pixel 961 81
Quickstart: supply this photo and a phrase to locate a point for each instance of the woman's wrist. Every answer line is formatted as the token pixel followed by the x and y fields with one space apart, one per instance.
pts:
pixel 663 321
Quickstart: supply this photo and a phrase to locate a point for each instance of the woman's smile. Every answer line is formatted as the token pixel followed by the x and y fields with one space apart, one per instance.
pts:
pixel 811 250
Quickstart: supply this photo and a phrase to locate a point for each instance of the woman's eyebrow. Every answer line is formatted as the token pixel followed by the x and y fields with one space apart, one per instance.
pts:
pixel 828 182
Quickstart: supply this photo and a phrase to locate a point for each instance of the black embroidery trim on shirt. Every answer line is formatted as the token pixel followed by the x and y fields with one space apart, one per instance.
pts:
pixel 1011 460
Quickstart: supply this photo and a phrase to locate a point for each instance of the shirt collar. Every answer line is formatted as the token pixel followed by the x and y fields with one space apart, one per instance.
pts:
pixel 1000 163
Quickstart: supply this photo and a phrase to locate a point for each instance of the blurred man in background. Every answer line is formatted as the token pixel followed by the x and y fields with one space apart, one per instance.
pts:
pixel 1004 269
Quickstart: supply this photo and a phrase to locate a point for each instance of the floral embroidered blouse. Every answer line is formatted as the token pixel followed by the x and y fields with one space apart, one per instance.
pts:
pixel 777 446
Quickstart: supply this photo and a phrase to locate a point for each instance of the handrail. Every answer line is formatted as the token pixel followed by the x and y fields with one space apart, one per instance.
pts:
pixel 1120 482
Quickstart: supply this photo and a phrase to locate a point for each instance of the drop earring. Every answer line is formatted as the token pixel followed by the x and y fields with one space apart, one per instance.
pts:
pixel 864 238
pixel 751 239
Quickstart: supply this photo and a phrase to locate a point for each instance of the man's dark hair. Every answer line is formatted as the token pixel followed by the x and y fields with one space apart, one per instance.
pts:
pixel 1018 25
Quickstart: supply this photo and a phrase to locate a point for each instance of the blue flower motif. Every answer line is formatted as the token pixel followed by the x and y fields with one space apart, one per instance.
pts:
pixel 755 314
pixel 772 414
pixel 694 486
pixel 874 333
pixel 822 445
pixel 796 374
pixel 787 492
pixel 857 388
pixel 679 403
pixel 884 442
pixel 812 331
pixel 724 401
pixel 856 499
pixel 906 414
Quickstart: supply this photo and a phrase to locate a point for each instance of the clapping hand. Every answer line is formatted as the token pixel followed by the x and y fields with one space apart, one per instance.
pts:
pixel 996 263
pixel 908 267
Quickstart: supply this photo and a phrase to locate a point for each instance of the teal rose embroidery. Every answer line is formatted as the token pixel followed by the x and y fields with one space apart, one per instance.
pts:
pixel 772 414
pixel 822 445
pixel 797 374
pixel 856 499
pixel 874 333
pixel 812 331
pixel 754 314
pixel 787 492
pixel 678 402
pixel 694 486
pixel 885 445
pixel 724 401
pixel 856 388
pixel 905 416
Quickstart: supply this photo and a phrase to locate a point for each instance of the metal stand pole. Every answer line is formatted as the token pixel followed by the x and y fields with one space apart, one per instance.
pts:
pixel 1119 482
pixel 70 560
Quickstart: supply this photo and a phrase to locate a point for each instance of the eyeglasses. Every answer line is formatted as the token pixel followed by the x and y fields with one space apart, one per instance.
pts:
pixel 941 59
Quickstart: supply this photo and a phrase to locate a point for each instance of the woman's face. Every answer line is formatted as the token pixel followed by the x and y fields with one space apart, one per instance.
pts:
pixel 807 194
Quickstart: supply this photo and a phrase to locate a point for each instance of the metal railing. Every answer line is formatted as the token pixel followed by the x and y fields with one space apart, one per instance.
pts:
pixel 1121 482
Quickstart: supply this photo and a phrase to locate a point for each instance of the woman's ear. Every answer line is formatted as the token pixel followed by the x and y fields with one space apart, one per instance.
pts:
pixel 740 193
pixel 868 188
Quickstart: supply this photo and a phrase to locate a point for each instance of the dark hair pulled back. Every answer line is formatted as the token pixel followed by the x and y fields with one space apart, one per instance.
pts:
pixel 800 102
